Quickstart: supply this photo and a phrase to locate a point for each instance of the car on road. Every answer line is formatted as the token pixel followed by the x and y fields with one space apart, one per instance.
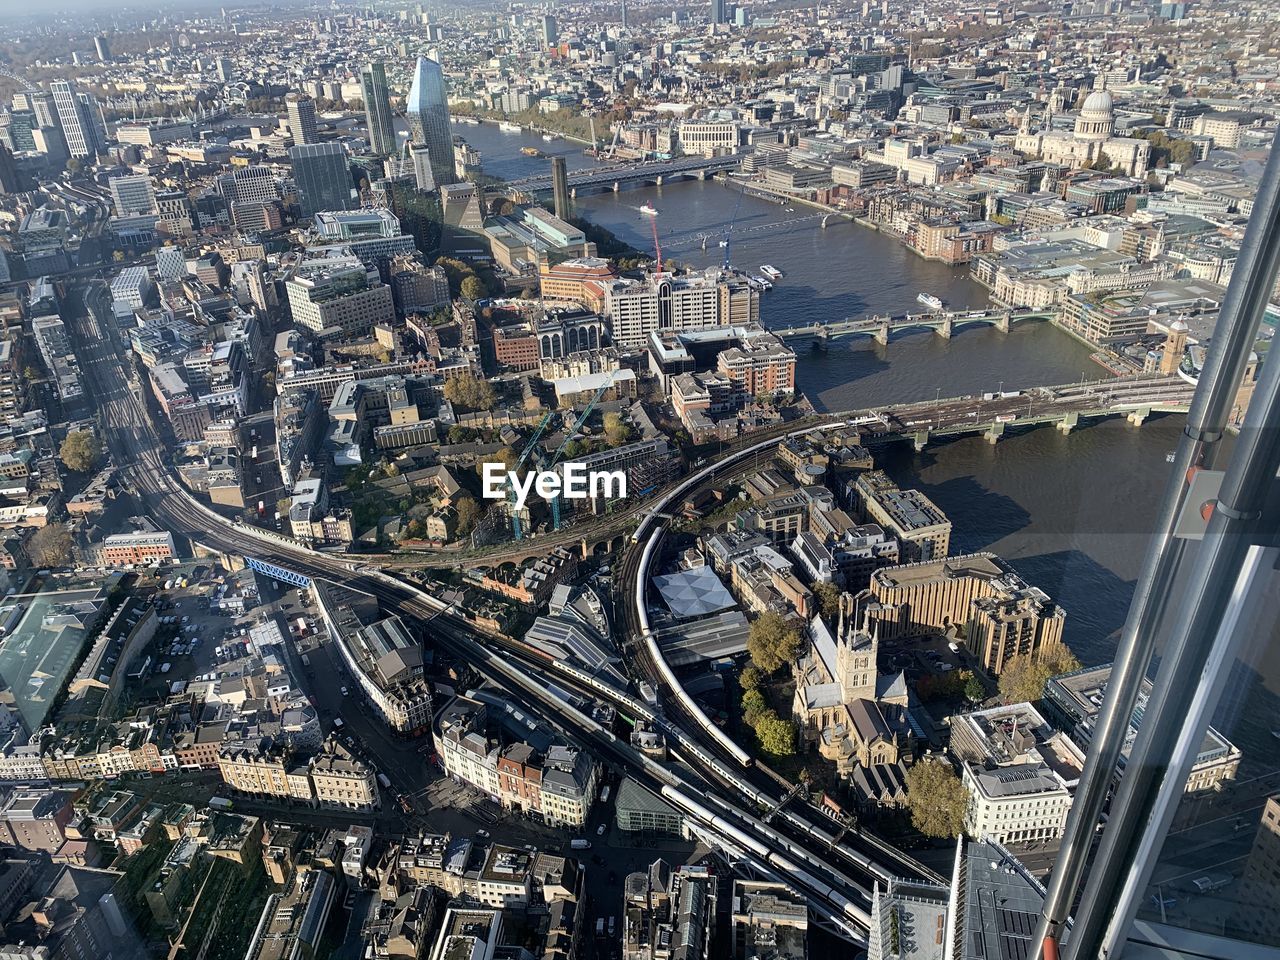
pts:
pixel 345 691
pixel 600 830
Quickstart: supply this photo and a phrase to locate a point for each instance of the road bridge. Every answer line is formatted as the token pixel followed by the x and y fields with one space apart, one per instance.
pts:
pixel 614 177
pixel 942 322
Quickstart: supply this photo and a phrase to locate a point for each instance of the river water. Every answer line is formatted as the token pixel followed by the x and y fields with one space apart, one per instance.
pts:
pixel 1072 514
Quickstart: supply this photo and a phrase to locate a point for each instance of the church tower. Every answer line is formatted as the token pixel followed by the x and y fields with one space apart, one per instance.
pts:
pixel 1175 345
pixel 855 656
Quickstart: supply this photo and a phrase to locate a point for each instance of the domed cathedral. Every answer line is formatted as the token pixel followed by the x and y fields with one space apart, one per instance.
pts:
pixel 1091 143
pixel 1097 117
pixel 843 706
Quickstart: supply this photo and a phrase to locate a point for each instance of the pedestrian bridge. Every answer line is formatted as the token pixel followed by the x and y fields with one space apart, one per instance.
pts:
pixel 942 322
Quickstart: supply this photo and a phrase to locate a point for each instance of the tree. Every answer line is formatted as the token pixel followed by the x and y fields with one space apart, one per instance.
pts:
pixel 470 391
pixel 473 288
pixel 828 595
pixel 1024 676
pixel 468 515
pixel 772 642
pixel 506 456
pixel 937 799
pixel 974 689
pixel 753 706
pixel 80 451
pixel 615 431
pixel 51 545
pixel 777 736
pixel 750 678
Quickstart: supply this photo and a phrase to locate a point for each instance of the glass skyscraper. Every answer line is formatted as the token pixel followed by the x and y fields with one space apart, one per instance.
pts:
pixel 377 109
pixel 427 113
pixel 323 177
pixel 75 119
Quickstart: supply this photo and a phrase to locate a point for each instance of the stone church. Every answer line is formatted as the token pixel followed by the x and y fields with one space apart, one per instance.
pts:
pixel 853 715
pixel 1090 142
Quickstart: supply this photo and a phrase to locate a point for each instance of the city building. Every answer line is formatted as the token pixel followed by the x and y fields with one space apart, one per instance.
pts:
pixel 377 109
pixel 1073 701
pixel 133 196
pixel 674 304
pixel 343 297
pixel 80 119
pixel 381 657
pixel 323 177
pixel 302 119
pixel 1256 914
pixel 911 518
pixel 663 908
pixel 125 549
pixel 427 114
pixel 1019 772
pixel 976 597
pixel 768 920
pixel 1090 142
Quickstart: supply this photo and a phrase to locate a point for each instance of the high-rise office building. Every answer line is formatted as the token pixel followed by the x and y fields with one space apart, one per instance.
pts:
pixel 226 70
pixel 302 119
pixel 76 119
pixel 560 186
pixel 719 11
pixel 423 176
pixel 10 182
pixel 427 113
pixel 323 177
pixel 377 109
pixel 550 35
pixel 252 184
pixel 17 135
pixel 103 48
pixel 45 109
pixel 133 196
pixel 624 14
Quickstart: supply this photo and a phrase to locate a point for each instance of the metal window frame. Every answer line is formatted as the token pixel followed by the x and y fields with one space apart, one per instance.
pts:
pixel 1240 317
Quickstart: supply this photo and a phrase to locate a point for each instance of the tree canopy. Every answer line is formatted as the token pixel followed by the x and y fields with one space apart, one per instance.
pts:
pixel 470 391
pixel 51 545
pixel 777 735
pixel 753 706
pixel 615 430
pixel 80 451
pixel 772 641
pixel 473 288
pixel 828 595
pixel 1024 676
pixel 468 515
pixel 936 798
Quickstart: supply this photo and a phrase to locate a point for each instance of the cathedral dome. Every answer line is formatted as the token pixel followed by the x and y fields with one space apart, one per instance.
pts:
pixel 1097 117
pixel 1098 104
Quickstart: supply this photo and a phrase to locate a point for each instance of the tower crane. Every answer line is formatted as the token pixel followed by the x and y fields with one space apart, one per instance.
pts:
pixel 728 231
pixel 520 462
pixel 555 457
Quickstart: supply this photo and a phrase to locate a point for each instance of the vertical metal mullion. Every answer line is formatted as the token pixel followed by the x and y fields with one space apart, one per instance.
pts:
pixel 1227 359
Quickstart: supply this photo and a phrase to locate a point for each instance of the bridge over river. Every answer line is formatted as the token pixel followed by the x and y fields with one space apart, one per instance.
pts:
pixel 942 322
pixel 612 178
